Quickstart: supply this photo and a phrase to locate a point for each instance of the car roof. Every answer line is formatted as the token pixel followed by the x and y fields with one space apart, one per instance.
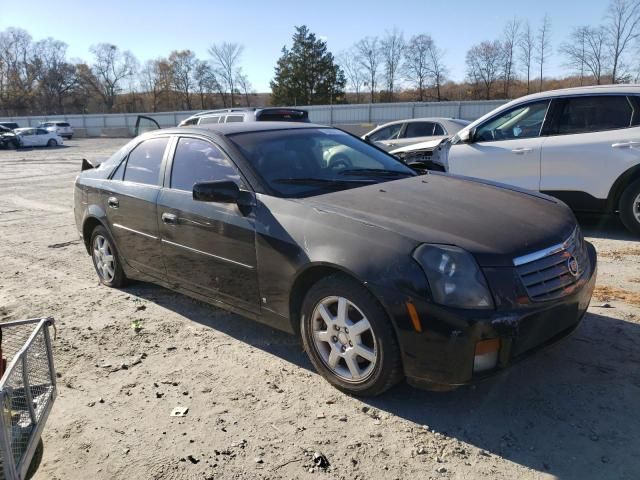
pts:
pixel 592 90
pixel 240 127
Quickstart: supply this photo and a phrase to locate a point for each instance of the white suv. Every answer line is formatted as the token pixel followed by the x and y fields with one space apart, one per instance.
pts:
pixel 581 145
pixel 61 128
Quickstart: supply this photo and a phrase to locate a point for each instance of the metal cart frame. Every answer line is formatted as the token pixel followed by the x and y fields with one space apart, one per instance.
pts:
pixel 27 392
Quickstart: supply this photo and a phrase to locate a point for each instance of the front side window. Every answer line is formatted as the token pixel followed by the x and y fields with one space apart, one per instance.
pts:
pixel 234 118
pixel 198 161
pixel 438 130
pixel 41 131
pixel 594 114
pixel 143 164
pixel 313 161
pixel 388 133
pixel 419 129
pixel 524 121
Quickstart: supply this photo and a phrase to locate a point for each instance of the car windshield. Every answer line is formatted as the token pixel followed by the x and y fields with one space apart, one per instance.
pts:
pixel 305 162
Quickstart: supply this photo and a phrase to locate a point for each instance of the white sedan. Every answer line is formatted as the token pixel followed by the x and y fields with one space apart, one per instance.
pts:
pixel 38 137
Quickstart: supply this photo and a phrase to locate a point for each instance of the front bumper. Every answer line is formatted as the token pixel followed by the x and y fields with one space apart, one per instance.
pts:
pixel 443 352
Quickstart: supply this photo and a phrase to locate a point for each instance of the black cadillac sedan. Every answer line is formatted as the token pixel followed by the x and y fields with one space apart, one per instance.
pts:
pixel 383 273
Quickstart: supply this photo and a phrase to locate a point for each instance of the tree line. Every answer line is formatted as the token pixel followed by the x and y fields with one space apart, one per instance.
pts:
pixel 37 77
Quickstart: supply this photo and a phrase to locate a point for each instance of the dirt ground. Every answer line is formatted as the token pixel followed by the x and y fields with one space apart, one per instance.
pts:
pixel 256 408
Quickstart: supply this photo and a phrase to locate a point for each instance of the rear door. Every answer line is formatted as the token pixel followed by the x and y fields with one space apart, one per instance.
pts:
pixel 594 139
pixel 505 148
pixel 208 248
pixel 131 206
pixel 42 137
pixel 415 132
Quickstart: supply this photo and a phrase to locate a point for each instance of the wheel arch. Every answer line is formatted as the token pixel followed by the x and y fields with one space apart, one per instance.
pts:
pixel 89 224
pixel 619 186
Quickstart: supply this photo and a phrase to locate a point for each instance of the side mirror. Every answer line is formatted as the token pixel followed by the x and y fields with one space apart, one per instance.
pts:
pixel 220 192
pixel 224 191
pixel 467 135
pixel 366 139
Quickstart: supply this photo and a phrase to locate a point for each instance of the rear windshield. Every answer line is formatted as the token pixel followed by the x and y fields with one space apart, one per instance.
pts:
pixel 282 115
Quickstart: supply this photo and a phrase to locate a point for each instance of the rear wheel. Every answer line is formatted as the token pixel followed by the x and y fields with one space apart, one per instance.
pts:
pixel 105 258
pixel 52 143
pixel 349 338
pixel 630 207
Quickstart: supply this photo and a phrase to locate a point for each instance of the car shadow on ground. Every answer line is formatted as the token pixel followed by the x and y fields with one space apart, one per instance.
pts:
pixel 606 227
pixel 569 411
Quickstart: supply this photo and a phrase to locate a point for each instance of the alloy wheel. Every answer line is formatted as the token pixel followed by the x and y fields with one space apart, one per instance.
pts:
pixel 104 258
pixel 636 208
pixel 344 339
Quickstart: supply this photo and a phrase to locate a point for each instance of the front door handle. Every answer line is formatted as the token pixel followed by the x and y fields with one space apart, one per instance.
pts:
pixel 113 202
pixel 520 151
pixel 625 144
pixel 169 219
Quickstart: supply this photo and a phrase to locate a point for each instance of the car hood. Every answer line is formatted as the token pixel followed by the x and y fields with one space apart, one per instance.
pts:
pixel 496 223
pixel 428 145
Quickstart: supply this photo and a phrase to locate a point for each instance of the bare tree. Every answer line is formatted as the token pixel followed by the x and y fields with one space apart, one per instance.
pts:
pixel 623 18
pixel 348 61
pixel 245 87
pixel 183 65
pixel 156 78
pixel 369 57
pixel 511 32
pixel 391 48
pixel 226 59
pixel 56 76
pixel 526 46
pixel 586 51
pixel 424 65
pixel 20 69
pixel 206 81
pixel 111 67
pixel 484 64
pixel 543 44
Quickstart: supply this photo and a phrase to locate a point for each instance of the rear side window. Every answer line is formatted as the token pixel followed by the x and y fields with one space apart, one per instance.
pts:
pixel 419 129
pixel 63 124
pixel 438 130
pixel 205 120
pixel 143 164
pixel 594 114
pixel 234 118
pixel 197 161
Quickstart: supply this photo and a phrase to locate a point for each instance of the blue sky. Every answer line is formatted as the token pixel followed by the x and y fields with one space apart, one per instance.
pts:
pixel 151 29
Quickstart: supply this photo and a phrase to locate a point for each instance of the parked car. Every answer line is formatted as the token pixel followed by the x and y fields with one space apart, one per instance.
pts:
pixel 408 132
pixel 383 273
pixel 64 129
pixel 581 145
pixel 38 137
pixel 9 125
pixel 231 115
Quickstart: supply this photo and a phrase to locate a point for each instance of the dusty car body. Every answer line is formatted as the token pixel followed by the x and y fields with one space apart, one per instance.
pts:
pixel 351 264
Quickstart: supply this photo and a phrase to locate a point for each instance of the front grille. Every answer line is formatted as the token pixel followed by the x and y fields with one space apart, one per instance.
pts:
pixel 547 274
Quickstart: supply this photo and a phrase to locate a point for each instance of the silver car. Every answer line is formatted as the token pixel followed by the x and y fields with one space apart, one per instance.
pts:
pixel 402 133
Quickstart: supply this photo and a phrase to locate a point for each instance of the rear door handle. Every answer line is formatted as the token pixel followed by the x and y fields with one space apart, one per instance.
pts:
pixel 113 202
pixel 169 219
pixel 520 151
pixel 625 144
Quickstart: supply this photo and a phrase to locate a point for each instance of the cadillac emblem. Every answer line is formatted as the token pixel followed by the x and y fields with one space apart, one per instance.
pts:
pixel 573 266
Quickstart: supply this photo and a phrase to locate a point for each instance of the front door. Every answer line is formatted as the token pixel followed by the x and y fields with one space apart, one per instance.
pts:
pixel 131 206
pixel 208 247
pixel 505 148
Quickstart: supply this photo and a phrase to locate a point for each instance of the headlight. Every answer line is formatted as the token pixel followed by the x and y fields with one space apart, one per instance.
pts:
pixel 454 276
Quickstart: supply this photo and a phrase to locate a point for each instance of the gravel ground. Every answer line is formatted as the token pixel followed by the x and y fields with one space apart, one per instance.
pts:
pixel 257 410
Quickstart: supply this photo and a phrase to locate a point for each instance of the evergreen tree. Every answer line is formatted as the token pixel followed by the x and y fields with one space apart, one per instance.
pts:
pixel 307 74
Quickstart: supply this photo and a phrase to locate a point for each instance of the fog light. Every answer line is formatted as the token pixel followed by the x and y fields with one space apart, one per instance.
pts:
pixel 486 356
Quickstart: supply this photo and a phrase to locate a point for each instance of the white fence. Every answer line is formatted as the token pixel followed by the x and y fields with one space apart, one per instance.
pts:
pixel 361 115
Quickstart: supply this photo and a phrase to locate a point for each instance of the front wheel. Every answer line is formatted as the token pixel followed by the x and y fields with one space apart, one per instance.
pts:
pixel 349 338
pixel 105 258
pixel 630 207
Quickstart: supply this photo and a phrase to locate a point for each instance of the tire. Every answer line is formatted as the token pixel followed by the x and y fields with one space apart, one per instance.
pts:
pixel 326 345
pixel 52 143
pixel 630 207
pixel 104 254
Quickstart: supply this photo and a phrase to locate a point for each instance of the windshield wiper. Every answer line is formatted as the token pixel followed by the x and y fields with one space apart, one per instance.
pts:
pixel 376 172
pixel 322 182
